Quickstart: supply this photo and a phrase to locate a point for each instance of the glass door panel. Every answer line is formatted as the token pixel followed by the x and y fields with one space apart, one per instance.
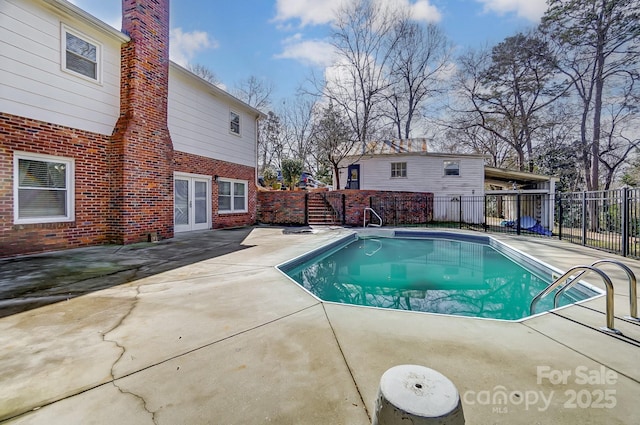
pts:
pixel 192 199
pixel 181 202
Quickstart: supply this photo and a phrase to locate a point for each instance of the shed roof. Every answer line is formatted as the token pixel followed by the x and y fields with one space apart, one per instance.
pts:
pixel 502 176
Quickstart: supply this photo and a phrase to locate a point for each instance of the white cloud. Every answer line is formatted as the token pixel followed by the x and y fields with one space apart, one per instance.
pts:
pixel 420 10
pixel 312 52
pixel 314 12
pixel 528 9
pixel 183 46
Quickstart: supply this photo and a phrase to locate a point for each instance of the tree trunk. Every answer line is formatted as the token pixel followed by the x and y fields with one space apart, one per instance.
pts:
pixel 336 173
pixel 597 112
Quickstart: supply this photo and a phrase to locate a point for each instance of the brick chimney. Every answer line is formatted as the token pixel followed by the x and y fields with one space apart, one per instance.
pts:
pixel 142 154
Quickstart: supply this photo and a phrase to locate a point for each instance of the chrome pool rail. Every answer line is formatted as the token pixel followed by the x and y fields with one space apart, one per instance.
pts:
pixel 565 277
pixel 633 287
pixel 364 224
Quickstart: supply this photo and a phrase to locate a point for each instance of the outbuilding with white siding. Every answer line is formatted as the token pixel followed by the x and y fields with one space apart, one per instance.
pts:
pixel 450 177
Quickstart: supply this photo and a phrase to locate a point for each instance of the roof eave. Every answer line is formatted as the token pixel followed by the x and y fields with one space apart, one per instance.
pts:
pixel 74 11
pixel 217 90
pixel 516 175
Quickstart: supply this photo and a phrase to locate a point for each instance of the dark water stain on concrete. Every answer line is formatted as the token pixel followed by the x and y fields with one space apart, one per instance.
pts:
pixel 32 281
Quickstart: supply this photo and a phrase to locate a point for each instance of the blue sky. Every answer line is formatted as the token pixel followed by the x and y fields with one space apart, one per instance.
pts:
pixel 282 41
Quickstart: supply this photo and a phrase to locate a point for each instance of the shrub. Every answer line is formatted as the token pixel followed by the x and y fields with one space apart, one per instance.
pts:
pixel 291 171
pixel 270 176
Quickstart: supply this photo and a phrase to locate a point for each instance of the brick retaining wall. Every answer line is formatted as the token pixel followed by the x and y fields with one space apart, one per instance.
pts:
pixel 286 207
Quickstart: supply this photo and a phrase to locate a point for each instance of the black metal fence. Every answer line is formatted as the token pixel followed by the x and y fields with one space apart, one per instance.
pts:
pixel 605 220
pixel 405 210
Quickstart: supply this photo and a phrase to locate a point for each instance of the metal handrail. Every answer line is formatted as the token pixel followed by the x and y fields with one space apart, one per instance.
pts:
pixel 633 287
pixel 364 224
pixel 370 254
pixel 559 281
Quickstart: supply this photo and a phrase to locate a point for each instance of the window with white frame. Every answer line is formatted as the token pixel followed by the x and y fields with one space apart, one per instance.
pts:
pixel 451 168
pixel 398 169
pixel 80 54
pixel 43 188
pixel 234 122
pixel 232 196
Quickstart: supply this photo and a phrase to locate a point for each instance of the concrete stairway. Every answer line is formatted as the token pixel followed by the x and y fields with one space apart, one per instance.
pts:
pixel 319 212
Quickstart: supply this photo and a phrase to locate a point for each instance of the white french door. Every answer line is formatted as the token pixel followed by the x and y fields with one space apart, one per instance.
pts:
pixel 191 202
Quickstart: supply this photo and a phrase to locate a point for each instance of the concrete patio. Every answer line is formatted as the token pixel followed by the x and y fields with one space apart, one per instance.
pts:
pixel 229 340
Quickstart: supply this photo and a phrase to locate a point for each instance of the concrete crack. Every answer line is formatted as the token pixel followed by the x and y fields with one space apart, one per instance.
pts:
pixel 116 326
pixel 346 362
pixel 123 350
pixel 140 398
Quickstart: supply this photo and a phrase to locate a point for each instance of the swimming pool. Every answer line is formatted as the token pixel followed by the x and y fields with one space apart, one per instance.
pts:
pixel 434 272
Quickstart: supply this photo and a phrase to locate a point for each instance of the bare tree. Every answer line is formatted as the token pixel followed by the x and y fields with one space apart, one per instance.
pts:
pixel 631 176
pixel 297 120
pixel 417 67
pixel 255 92
pixel 616 143
pixel 204 73
pixel 506 90
pixel 333 139
pixel 599 41
pixel 363 38
pixel 463 138
pixel 270 142
pixel 557 153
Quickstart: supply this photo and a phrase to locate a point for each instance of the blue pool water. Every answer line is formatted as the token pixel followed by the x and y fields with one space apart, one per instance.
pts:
pixel 435 272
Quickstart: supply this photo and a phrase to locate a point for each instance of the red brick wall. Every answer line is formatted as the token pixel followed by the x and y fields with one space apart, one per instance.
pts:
pixel 123 183
pixel 285 207
pixel 402 207
pixel 92 189
pixel 142 154
pixel 189 163
pixel 281 207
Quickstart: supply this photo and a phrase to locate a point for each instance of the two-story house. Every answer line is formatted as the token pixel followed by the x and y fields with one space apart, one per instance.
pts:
pixel 104 140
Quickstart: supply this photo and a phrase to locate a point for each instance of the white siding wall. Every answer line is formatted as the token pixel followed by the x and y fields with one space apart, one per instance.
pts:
pixel 32 83
pixel 199 123
pixel 425 173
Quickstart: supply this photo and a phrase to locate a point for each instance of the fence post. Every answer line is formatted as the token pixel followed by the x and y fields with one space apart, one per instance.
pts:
pixel 344 209
pixel 426 209
pixel 460 212
pixel 306 209
pixel 584 218
pixel 518 210
pixel 625 221
pixel 560 217
pixel 484 213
